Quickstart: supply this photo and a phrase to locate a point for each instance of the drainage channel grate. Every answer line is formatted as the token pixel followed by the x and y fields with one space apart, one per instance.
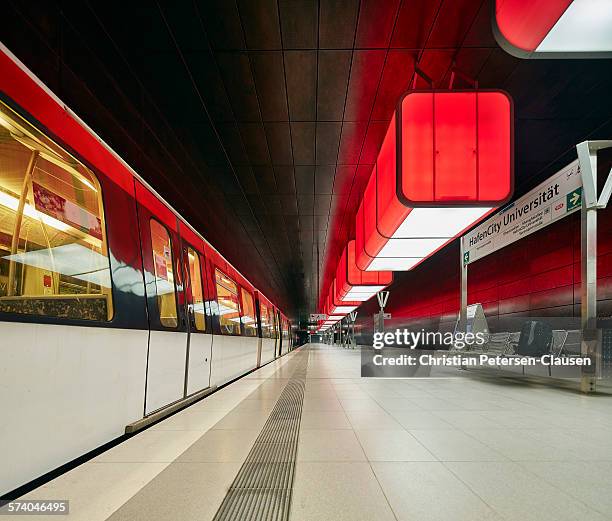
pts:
pixel 262 488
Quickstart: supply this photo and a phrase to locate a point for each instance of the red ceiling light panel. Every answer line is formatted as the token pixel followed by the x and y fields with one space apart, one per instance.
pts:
pixel 445 163
pixel 353 284
pixel 554 28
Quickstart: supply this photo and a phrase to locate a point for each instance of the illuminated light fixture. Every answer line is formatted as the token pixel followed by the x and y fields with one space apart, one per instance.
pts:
pixel 353 284
pixel 446 162
pixel 334 309
pixel 554 28
pixel 337 306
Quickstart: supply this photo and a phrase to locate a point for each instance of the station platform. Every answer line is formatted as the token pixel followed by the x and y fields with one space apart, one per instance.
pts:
pixel 467 448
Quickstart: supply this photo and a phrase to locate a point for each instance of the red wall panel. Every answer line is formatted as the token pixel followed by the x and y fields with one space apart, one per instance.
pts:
pixel 536 276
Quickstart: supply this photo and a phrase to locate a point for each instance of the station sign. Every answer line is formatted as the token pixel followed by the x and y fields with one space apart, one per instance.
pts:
pixel 314 317
pixel 548 202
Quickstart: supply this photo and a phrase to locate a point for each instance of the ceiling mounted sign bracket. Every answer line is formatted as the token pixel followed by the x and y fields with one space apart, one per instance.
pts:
pixel 455 71
pixel 420 73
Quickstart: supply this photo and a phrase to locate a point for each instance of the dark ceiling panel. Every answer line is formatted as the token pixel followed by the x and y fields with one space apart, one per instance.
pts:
pixel 351 140
pixel 247 179
pixel 306 204
pixel 376 20
pixel 321 208
pixel 303 140
pixel 453 22
pixel 210 84
pixel 337 24
pixel 334 67
pixel 222 24
pixel 344 179
pixel 414 23
pixel 497 69
pixel 285 180
pixel 327 140
pixel 270 80
pixel 232 142
pixel 365 75
pixel 238 81
pixel 324 179
pixel 260 23
pixel 304 180
pixel 396 77
pixel 265 179
pixel 480 34
pixel 299 23
pixel 279 142
pixel 289 206
pixel 373 140
pixel 301 74
pixel 255 144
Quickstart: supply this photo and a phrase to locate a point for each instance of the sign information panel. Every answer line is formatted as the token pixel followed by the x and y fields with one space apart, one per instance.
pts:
pixel 548 202
pixel 314 317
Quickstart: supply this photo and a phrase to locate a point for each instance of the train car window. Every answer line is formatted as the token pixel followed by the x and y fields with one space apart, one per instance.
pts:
pixel 197 294
pixel 265 321
pixel 248 313
pixel 164 274
pixel 227 300
pixel 274 323
pixel 53 247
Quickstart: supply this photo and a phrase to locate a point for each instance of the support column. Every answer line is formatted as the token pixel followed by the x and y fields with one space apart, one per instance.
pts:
pixel 588 297
pixel 591 202
pixel 463 297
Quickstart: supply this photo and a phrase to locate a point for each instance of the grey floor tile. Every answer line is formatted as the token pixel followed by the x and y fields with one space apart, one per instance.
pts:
pixel 429 491
pixel 324 420
pixel 364 419
pixel 338 492
pixel 394 445
pixel 589 482
pixel 456 446
pixel 420 420
pixel 518 495
pixel 329 445
pixel 220 446
pixel 182 492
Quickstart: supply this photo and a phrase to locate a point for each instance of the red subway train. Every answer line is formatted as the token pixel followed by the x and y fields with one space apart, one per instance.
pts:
pixel 113 310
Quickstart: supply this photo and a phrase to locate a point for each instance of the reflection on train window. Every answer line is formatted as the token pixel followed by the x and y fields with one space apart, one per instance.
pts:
pixel 276 335
pixel 248 313
pixel 53 249
pixel 227 300
pixel 164 275
pixel 197 295
pixel 265 321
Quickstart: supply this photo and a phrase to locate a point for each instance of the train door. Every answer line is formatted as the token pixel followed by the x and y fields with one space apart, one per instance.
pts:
pixel 199 345
pixel 277 332
pixel 259 330
pixel 168 338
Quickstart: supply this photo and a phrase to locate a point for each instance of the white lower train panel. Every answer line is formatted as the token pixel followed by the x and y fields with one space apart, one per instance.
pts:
pixel 65 390
pixel 83 385
pixel 165 368
pixel 268 346
pixel 232 356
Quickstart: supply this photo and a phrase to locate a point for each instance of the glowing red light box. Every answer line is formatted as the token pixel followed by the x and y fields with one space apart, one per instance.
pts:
pixel 446 162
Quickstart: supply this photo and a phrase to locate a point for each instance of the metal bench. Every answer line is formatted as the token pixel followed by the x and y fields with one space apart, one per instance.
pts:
pixel 498 344
pixel 572 346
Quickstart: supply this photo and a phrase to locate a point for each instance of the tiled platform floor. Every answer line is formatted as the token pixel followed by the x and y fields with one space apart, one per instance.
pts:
pixel 465 448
